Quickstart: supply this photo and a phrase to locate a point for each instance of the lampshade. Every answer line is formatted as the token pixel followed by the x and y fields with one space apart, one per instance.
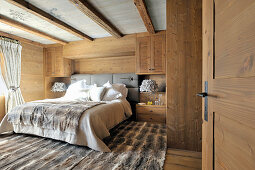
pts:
pixel 58 87
pixel 148 85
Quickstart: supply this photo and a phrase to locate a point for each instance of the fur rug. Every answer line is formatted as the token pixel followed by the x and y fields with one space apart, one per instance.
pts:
pixel 134 145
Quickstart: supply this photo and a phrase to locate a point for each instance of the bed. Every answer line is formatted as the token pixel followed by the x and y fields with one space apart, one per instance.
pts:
pixel 95 122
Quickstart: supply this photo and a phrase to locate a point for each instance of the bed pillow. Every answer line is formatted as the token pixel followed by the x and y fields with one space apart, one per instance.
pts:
pixel 111 93
pixel 97 93
pixel 121 88
pixel 78 91
pixel 77 85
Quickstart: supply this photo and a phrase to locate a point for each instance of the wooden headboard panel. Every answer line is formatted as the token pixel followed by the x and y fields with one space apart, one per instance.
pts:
pixel 2 107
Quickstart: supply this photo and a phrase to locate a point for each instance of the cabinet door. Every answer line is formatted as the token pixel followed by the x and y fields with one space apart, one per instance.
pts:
pixel 50 63
pixel 68 67
pixel 143 54
pixel 59 63
pixel 56 65
pixel 158 52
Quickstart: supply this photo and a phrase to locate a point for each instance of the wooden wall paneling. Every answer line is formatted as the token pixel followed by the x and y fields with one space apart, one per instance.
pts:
pixel 184 74
pixel 122 64
pixel 102 47
pixel 32 80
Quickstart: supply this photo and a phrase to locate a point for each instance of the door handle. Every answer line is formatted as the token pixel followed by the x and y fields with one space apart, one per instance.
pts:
pixel 203 94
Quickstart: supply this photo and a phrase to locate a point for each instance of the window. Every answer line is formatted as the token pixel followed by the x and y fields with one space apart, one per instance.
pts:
pixel 3 89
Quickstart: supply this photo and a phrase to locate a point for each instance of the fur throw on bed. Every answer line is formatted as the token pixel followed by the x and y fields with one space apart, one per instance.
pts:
pixel 63 116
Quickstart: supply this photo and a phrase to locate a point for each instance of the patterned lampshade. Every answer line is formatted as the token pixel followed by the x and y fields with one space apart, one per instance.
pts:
pixel 58 87
pixel 148 86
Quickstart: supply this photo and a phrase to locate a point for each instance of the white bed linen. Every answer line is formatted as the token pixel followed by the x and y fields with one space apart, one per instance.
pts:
pixel 94 125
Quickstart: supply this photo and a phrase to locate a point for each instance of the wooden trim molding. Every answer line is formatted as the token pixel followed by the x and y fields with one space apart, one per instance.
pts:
pixel 141 7
pixel 31 30
pixel 85 7
pixel 21 39
pixel 2 107
pixel 44 15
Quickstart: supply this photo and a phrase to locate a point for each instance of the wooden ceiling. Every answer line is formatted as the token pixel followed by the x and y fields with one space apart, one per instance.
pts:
pixel 63 21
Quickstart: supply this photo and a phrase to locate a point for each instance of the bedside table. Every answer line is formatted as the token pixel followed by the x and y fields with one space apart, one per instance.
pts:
pixel 151 113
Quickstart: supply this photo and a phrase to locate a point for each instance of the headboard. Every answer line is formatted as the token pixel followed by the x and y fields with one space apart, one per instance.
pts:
pixel 129 79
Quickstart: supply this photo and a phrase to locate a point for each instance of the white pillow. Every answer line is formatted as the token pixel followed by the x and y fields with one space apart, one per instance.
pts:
pixel 111 94
pixel 108 84
pixel 114 91
pixel 77 85
pixel 121 88
pixel 78 90
pixel 97 93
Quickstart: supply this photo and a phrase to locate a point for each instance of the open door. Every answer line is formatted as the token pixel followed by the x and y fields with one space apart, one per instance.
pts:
pixel 229 70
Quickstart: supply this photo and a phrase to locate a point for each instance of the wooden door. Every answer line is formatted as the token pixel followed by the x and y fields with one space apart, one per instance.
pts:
pixel 229 68
pixel 158 54
pixel 143 54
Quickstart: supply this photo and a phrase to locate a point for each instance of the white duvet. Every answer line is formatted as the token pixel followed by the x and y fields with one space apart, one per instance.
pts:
pixel 94 125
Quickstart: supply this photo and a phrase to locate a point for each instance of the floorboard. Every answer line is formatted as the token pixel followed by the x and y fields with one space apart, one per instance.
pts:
pixel 183 160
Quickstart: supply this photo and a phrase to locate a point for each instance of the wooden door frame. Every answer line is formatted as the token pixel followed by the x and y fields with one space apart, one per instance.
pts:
pixel 208 57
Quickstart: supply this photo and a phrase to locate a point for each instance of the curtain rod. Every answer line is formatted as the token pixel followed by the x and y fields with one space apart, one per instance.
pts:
pixel 9 39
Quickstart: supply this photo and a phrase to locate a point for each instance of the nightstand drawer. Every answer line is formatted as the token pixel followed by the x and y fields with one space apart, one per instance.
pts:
pixel 150 109
pixel 151 114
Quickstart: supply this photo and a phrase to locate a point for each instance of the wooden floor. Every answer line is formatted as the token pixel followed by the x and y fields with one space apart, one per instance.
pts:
pixel 183 160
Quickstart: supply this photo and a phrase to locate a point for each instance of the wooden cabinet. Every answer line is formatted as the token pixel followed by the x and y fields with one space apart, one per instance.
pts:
pixel 150 54
pixel 55 64
pixel 151 113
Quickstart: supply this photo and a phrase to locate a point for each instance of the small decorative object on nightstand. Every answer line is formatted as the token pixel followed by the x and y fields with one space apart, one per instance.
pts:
pixel 58 87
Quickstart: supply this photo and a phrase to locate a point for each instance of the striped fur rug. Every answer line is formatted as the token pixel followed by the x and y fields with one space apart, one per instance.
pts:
pixel 134 145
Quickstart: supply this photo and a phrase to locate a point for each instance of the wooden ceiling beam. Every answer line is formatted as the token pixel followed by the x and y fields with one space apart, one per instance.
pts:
pixel 141 6
pixel 31 30
pixel 21 39
pixel 85 7
pixel 51 19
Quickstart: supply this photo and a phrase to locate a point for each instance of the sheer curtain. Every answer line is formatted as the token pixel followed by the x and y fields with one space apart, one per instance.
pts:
pixel 11 72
